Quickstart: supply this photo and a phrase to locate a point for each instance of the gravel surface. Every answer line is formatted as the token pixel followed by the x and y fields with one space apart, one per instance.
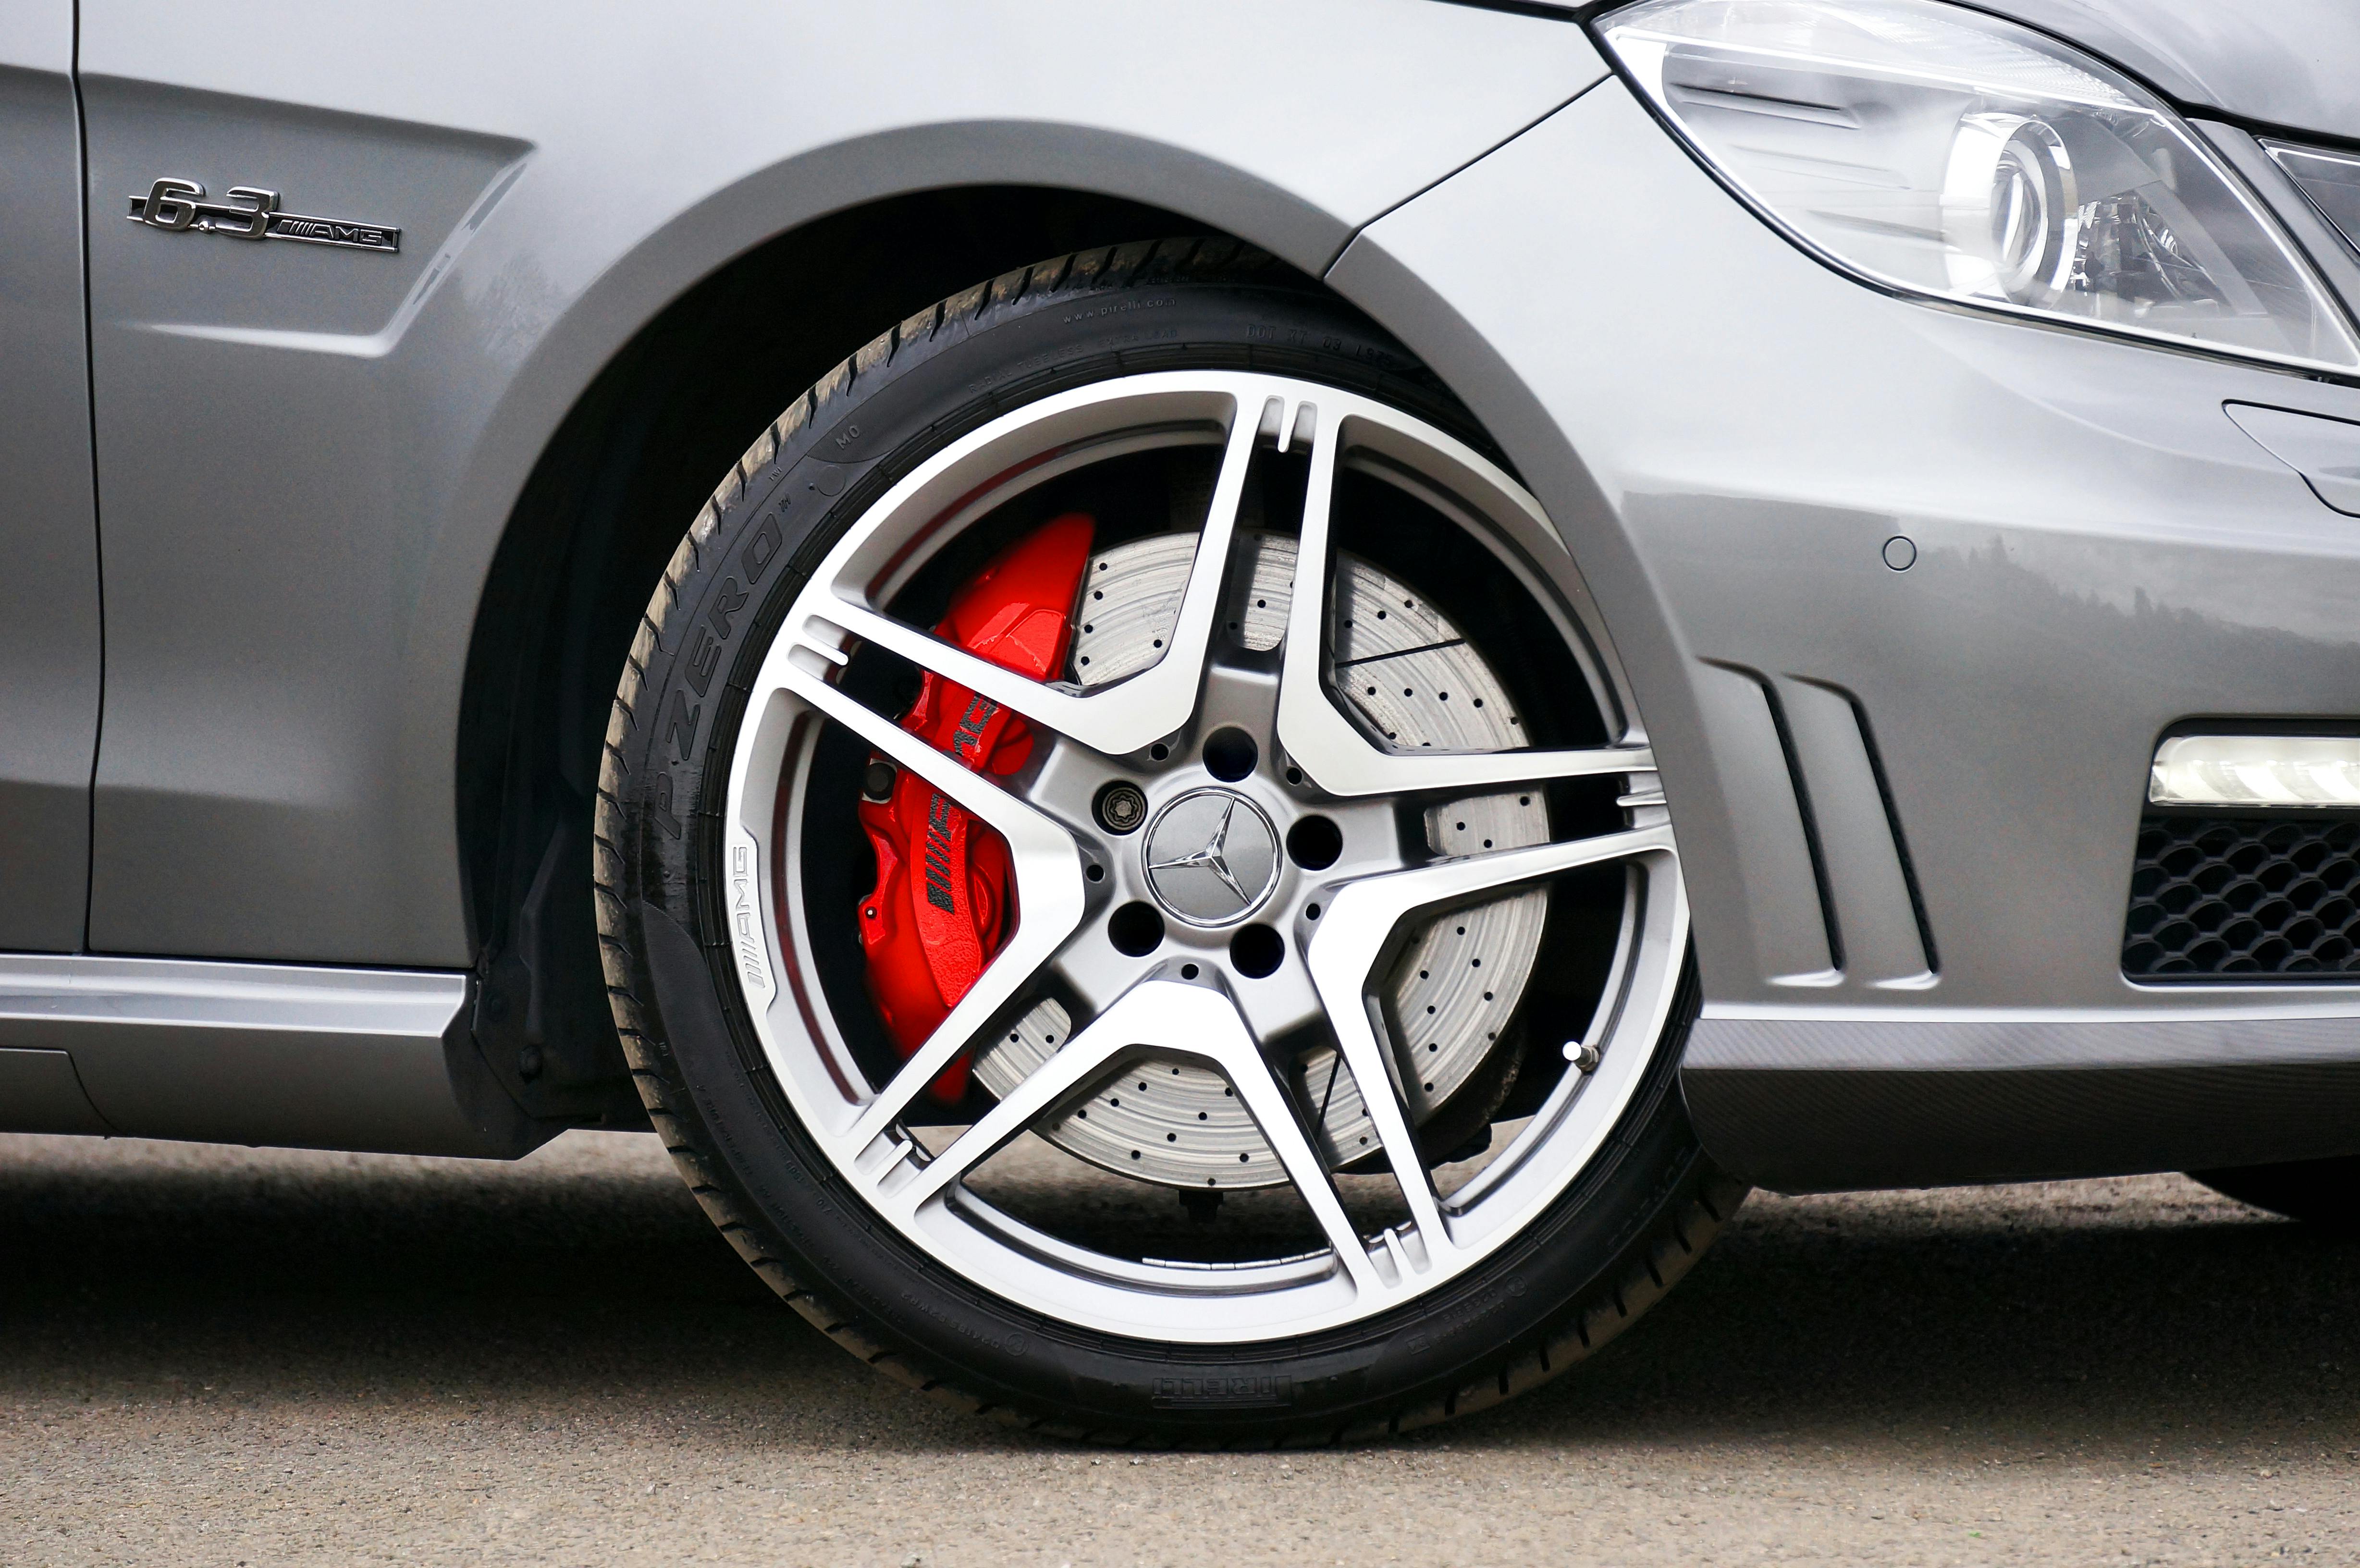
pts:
pixel 224 1356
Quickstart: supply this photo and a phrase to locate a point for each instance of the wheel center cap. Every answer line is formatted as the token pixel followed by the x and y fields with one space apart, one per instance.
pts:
pixel 1212 857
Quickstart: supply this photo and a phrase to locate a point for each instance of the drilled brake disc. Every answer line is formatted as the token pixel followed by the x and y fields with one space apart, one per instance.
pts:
pixel 1418 684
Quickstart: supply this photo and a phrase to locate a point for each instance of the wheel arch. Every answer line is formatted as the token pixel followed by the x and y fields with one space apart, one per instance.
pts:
pixel 633 457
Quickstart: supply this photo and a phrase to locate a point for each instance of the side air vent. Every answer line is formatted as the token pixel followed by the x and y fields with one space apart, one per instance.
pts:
pixel 2244 898
pixel 1830 821
pixel 1870 884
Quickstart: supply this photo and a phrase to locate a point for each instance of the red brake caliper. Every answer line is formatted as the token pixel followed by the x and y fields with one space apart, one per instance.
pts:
pixel 939 914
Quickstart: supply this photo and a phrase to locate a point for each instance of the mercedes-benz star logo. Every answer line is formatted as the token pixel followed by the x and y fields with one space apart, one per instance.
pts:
pixel 1212 857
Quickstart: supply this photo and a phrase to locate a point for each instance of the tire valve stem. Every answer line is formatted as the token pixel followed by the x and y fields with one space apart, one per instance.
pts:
pixel 1582 1054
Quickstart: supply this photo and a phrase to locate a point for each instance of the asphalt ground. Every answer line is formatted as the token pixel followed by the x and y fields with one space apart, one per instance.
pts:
pixel 216 1356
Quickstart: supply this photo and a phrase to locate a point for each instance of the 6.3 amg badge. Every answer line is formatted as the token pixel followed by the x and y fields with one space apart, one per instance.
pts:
pixel 251 212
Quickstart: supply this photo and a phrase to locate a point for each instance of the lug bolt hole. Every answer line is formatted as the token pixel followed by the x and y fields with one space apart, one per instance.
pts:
pixel 1096 874
pixel 1189 972
pixel 1257 950
pixel 1314 842
pixel 1136 930
pixel 1230 754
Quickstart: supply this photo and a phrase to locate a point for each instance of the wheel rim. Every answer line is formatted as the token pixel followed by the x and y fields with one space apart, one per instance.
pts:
pixel 1181 1003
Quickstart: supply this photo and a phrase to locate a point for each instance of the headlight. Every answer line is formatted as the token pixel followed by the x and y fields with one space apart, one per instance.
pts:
pixel 1943 152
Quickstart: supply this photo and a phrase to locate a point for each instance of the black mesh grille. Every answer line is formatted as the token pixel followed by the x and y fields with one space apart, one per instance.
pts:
pixel 2216 897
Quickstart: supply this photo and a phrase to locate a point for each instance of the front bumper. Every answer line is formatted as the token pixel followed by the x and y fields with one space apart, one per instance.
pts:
pixel 1907 800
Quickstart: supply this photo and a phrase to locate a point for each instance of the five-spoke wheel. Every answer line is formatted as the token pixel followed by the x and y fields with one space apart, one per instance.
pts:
pixel 1197 776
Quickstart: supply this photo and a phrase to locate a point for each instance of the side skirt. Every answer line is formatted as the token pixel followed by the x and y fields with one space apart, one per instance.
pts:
pixel 304 1057
pixel 1799 1104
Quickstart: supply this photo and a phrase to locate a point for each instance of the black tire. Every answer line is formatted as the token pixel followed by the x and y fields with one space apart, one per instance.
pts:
pixel 2322 1193
pixel 1633 1221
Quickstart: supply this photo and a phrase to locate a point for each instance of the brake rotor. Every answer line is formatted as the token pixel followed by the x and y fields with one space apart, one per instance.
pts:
pixel 1417 683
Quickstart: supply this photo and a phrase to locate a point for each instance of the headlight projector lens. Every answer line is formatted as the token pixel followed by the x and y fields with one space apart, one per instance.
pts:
pixel 2008 208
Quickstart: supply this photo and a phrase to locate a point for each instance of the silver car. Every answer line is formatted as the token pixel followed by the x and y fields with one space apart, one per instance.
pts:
pixel 1353 658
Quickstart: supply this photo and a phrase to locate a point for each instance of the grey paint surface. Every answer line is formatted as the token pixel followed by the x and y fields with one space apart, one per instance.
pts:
pixel 48 549
pixel 309 465
pixel 2326 453
pixel 42 1093
pixel 1803 1100
pixel 248 1053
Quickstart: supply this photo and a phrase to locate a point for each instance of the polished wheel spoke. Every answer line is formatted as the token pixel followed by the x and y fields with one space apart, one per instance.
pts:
pixel 1128 714
pixel 1049 886
pixel 1361 919
pixel 1172 1020
pixel 1073 1067
pixel 1219 1034
pixel 1328 746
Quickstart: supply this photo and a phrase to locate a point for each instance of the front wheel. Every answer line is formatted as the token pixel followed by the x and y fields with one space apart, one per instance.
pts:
pixel 1129 887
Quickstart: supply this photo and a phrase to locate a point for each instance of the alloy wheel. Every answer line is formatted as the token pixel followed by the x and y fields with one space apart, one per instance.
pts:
pixel 1240 729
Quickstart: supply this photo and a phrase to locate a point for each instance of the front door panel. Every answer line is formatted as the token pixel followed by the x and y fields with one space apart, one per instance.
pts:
pixel 49 551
